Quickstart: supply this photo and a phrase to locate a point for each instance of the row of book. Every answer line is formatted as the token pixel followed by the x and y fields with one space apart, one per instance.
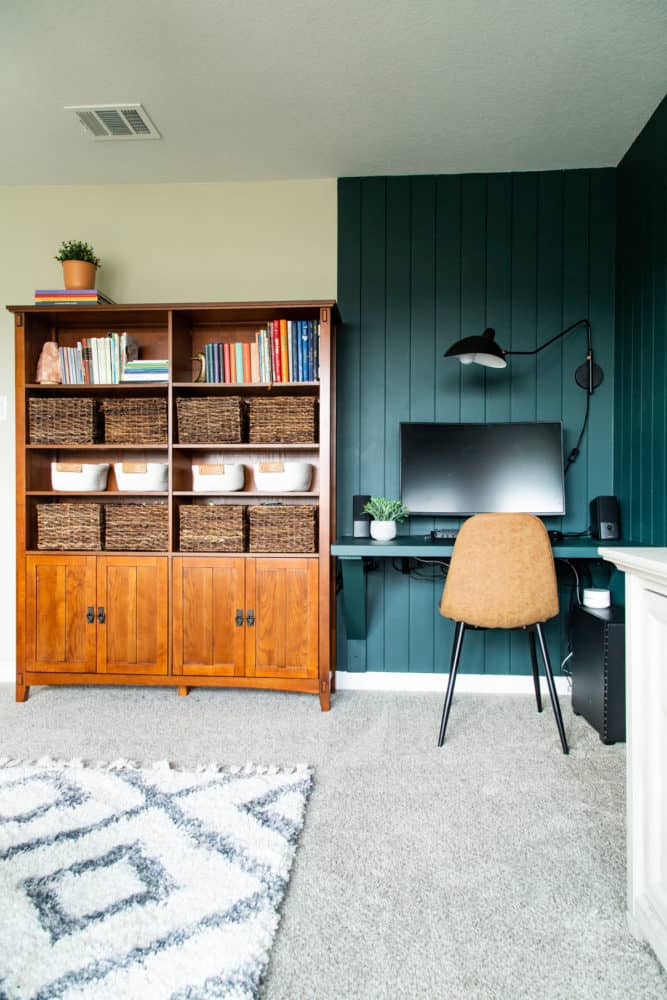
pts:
pixel 286 351
pixel 108 360
pixel 71 297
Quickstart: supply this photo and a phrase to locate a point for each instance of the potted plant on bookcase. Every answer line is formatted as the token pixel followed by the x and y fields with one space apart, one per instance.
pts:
pixel 80 263
pixel 386 514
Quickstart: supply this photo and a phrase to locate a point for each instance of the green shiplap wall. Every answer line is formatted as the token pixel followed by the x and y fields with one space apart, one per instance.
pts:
pixel 423 261
pixel 640 479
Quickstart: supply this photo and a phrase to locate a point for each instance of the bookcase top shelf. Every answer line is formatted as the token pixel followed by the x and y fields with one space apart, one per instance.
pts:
pixel 199 313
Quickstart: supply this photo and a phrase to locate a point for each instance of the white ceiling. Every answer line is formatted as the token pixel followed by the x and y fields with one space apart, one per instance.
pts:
pixel 259 89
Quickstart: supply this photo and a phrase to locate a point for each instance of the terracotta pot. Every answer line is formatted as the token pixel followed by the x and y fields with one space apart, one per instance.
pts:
pixel 79 274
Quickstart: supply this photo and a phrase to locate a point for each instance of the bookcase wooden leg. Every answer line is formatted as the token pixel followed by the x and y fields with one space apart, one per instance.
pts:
pixel 22 692
pixel 325 699
pixel 183 691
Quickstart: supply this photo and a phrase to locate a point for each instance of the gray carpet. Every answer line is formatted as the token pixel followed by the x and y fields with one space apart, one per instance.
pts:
pixel 493 869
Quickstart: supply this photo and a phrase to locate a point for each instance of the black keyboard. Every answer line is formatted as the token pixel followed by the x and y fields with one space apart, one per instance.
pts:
pixel 444 534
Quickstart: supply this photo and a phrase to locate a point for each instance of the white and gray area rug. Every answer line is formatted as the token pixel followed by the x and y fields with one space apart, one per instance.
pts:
pixel 122 882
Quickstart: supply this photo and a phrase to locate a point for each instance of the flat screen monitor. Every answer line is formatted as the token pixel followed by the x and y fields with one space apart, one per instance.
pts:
pixel 457 469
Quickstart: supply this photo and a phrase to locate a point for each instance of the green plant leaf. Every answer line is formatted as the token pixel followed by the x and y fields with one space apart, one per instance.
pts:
pixel 77 250
pixel 382 509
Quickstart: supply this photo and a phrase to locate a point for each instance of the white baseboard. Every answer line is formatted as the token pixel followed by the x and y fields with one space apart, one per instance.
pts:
pixel 377 680
pixel 7 671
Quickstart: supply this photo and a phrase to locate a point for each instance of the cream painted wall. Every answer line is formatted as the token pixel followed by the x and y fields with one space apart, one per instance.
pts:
pixel 157 243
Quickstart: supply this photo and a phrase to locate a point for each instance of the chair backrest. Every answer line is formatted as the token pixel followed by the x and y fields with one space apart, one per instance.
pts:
pixel 502 573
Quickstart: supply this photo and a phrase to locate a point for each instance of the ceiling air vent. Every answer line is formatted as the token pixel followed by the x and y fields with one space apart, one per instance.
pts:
pixel 115 121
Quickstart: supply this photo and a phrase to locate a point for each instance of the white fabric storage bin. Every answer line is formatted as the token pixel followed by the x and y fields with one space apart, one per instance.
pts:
pixel 283 477
pixel 141 477
pixel 79 477
pixel 220 478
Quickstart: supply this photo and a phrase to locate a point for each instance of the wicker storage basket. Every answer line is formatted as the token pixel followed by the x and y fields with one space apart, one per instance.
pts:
pixel 62 420
pixel 140 420
pixel 136 527
pixel 69 526
pixel 282 419
pixel 210 419
pixel 283 528
pixel 212 528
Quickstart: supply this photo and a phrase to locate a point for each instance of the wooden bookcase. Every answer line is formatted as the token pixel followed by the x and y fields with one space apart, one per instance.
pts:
pixel 170 617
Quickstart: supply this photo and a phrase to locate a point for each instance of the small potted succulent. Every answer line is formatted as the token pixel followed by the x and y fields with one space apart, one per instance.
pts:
pixel 79 262
pixel 386 514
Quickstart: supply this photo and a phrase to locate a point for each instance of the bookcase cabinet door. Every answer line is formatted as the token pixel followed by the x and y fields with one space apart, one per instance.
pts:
pixel 209 616
pixel 283 595
pixel 131 613
pixel 59 591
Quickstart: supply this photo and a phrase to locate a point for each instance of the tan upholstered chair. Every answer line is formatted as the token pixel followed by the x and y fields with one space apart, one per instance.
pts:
pixel 502 576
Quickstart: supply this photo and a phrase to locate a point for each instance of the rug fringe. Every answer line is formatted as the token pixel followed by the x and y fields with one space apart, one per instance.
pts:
pixel 125 764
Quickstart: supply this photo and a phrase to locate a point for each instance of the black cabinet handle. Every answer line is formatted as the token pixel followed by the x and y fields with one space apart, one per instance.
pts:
pixel 100 616
pixel 90 615
pixel 250 620
pixel 239 617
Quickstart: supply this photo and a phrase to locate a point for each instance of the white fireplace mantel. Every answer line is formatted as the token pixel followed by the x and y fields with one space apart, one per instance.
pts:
pixel 646 694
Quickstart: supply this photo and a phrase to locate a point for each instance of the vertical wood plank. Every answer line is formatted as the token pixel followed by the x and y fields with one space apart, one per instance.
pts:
pixel 576 305
pixel 447 371
pixel 423 599
pixel 523 402
pixel 397 404
pixel 473 317
pixel 348 374
pixel 498 316
pixel 371 452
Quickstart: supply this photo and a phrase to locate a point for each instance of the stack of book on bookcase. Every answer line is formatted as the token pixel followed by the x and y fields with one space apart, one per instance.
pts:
pixel 286 351
pixel 71 297
pixel 145 370
pixel 104 361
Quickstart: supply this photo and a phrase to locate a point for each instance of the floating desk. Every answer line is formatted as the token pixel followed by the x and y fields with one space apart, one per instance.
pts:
pixel 351 553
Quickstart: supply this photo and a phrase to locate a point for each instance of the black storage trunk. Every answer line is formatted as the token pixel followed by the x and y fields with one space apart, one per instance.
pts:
pixel 598 670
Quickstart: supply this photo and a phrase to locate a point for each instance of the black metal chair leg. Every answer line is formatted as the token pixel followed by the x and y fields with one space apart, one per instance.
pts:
pixel 552 688
pixel 456 656
pixel 536 675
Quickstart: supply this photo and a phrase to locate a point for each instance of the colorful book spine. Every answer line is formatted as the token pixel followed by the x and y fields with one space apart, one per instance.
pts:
pixel 311 355
pixel 290 358
pixel 268 366
pixel 71 296
pixel 254 363
pixel 284 358
pixel 304 351
pixel 238 357
pixel 247 375
pixel 275 350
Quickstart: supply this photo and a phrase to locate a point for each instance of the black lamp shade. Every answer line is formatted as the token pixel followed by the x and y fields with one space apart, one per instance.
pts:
pixel 480 350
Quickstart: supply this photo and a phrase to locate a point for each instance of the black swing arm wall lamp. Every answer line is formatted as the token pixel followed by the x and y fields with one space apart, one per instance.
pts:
pixel 483 350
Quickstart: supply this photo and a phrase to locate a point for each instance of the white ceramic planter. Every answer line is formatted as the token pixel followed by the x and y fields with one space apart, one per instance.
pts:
pixel 383 531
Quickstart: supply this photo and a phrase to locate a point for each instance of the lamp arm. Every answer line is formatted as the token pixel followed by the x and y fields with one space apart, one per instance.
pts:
pixel 563 333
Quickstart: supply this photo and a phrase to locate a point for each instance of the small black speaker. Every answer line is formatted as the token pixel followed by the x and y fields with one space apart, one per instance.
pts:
pixel 360 519
pixel 605 519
